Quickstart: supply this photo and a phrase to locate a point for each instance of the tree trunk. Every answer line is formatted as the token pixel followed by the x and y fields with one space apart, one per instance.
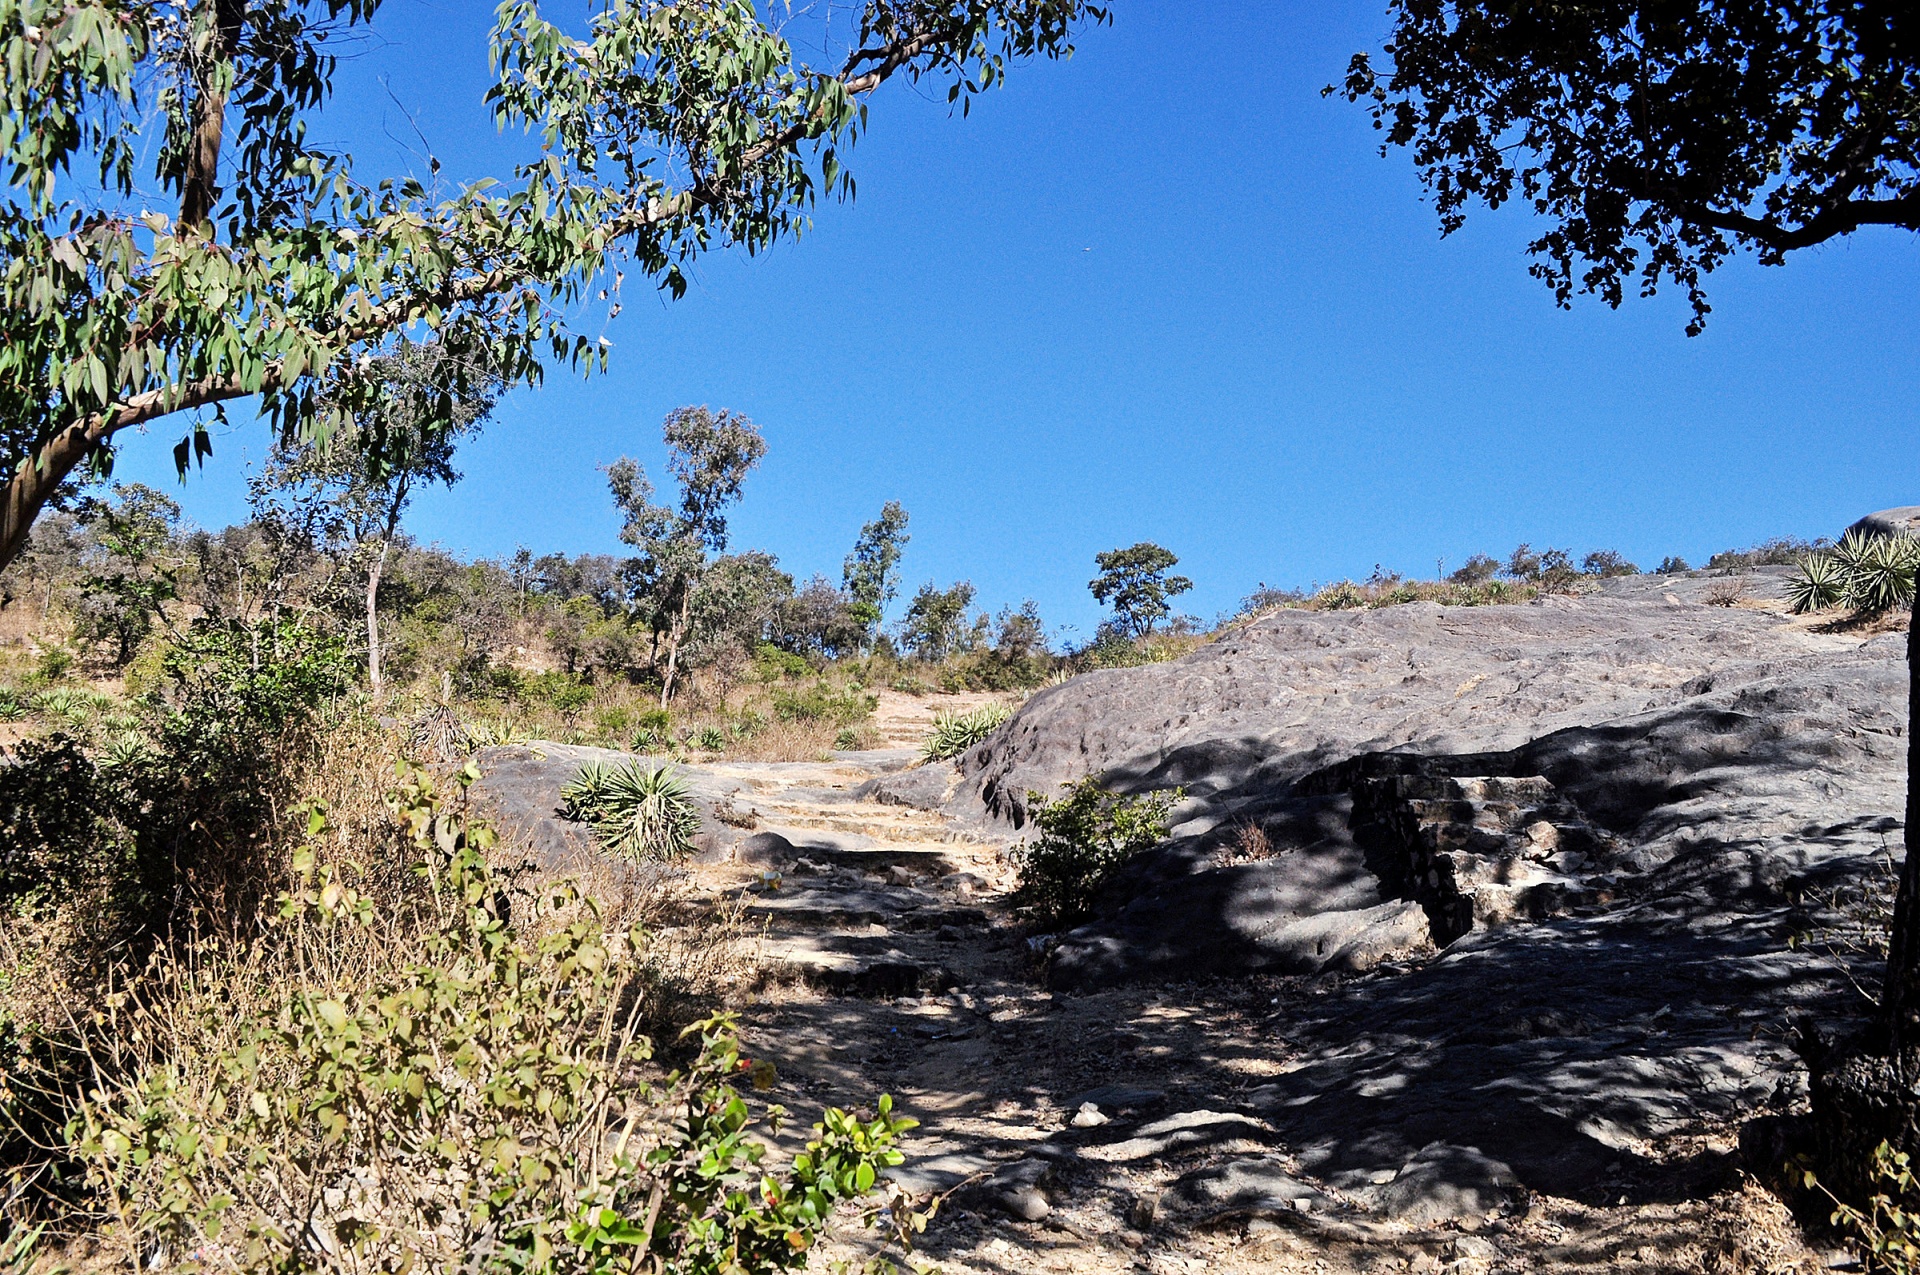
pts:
pixel 674 635
pixel 374 572
pixel 1902 995
pixel 1863 1083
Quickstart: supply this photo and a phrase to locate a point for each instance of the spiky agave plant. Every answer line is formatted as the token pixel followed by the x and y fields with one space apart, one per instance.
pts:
pixel 1820 582
pixel 955 733
pixel 636 811
pixel 1880 576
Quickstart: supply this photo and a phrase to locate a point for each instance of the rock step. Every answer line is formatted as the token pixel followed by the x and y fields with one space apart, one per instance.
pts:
pixel 851 964
pixel 812 905
pixel 1483 850
pixel 882 827
pixel 794 851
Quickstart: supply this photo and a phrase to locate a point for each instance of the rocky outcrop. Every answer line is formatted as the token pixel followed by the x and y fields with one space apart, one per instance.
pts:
pixel 1629 748
pixel 1904 521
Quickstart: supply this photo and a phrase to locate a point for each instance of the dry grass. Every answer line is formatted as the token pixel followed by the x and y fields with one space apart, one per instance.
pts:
pixel 190 1004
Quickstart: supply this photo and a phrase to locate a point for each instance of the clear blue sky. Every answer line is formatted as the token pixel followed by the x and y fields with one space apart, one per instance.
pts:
pixel 1166 291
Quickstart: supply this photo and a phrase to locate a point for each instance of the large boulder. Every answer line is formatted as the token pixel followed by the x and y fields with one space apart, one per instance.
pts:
pixel 1903 521
pixel 1492 764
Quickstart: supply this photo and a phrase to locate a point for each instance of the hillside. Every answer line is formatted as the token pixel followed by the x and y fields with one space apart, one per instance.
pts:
pixel 1509 966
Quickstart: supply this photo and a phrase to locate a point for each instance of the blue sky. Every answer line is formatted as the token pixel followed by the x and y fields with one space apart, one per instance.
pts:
pixel 1166 291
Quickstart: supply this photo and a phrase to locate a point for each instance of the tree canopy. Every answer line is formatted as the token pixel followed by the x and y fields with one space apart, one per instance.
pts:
pixel 710 454
pixel 1656 139
pixel 1134 581
pixel 871 572
pixel 223 254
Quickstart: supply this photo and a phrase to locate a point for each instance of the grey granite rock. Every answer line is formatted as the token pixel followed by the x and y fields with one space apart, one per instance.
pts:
pixel 1443 1182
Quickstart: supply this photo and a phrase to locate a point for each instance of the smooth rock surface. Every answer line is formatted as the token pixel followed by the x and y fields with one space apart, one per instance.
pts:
pixel 1444 1183
pixel 1247 1185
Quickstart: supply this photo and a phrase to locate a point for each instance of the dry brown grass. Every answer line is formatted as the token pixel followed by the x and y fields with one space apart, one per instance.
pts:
pixel 189 1004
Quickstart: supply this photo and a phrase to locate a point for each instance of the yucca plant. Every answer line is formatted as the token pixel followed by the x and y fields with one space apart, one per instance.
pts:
pixel 636 811
pixel 70 707
pixel 1821 582
pixel 12 707
pixel 493 734
pixel 126 749
pixel 955 733
pixel 711 739
pixel 1880 576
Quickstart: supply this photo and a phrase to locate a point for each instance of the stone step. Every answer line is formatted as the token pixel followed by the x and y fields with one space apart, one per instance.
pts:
pixel 892 829
pixel 872 857
pixel 814 905
pixel 852 964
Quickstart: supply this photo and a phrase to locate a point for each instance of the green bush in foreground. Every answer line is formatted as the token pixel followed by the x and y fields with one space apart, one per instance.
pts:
pixel 442 1089
pixel 636 811
pixel 1887 1231
pixel 955 733
pixel 1085 835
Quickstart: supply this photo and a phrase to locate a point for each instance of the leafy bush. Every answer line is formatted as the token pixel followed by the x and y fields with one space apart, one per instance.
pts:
pixel 1478 570
pixel 955 733
pixel 844 707
pixel 1085 836
pixel 1887 1231
pixel 1606 563
pixel 59 831
pixel 772 664
pixel 1672 566
pixel 1781 551
pixel 438 1086
pixel 653 729
pixel 637 811
pixel 563 692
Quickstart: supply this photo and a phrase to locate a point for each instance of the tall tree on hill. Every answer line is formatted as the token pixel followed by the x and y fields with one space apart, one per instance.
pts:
pixel 1135 583
pixel 270 268
pixel 1654 141
pixel 710 454
pixel 431 396
pixel 871 574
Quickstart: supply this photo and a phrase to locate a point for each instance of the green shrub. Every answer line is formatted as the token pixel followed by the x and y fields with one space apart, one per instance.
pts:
pixel 562 692
pixel 1084 836
pixel 637 811
pixel 852 739
pixel 55 663
pixel 1887 1231
pixel 59 835
pixel 710 738
pixel 822 703
pixel 1344 595
pixel 439 1088
pixel 653 730
pixel 955 733
pixel 772 664
pixel 12 706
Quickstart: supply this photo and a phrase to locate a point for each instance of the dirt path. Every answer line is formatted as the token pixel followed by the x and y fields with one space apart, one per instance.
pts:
pixel 894 963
